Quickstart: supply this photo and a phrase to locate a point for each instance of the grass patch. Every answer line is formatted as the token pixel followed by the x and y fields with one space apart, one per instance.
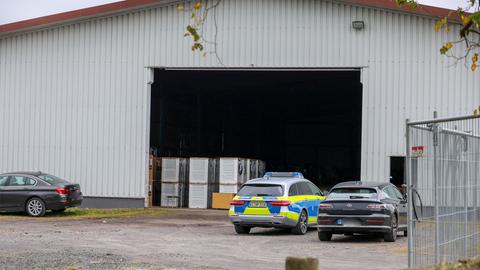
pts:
pixel 92 213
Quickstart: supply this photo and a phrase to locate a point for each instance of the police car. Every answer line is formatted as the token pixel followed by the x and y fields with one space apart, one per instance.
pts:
pixel 280 200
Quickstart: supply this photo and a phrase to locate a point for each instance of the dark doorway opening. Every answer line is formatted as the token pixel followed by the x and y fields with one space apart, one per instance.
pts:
pixel 397 171
pixel 295 120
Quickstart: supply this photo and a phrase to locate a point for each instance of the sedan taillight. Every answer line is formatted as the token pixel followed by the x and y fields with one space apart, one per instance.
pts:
pixel 325 206
pixel 62 190
pixel 377 206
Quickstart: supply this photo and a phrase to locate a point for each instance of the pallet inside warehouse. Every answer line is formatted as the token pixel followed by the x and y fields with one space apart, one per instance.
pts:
pixel 191 182
pixel 174 182
pixel 203 181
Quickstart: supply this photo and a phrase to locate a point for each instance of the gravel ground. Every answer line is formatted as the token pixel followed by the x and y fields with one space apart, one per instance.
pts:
pixel 185 239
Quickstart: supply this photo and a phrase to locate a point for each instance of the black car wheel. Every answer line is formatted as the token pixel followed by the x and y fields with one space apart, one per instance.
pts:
pixel 324 236
pixel 302 224
pixel 391 236
pixel 242 229
pixel 35 207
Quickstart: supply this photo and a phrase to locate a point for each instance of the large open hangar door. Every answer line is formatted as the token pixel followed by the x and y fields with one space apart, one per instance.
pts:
pixel 295 120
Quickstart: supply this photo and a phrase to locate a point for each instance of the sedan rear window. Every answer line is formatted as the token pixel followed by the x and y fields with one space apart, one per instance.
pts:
pixel 261 190
pixel 354 190
pixel 52 180
pixel 352 193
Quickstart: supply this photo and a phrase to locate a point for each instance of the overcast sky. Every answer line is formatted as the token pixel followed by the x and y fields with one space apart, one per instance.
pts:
pixel 17 10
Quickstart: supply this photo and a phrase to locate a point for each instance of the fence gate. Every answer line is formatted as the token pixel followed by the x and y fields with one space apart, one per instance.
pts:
pixel 443 179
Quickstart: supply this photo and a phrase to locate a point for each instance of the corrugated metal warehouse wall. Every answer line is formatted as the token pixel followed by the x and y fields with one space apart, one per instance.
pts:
pixel 74 101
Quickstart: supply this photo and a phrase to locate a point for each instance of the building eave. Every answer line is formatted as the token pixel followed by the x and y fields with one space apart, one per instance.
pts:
pixel 122 6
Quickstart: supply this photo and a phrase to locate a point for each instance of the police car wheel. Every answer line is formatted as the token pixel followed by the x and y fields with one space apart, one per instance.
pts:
pixel 302 224
pixel 242 229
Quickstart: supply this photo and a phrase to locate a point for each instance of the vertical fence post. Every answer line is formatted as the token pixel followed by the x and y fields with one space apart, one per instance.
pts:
pixel 464 162
pixel 410 217
pixel 475 184
pixel 435 128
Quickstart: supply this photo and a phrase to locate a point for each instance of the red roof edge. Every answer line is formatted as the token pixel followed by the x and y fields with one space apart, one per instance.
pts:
pixel 127 4
pixel 75 14
pixel 419 10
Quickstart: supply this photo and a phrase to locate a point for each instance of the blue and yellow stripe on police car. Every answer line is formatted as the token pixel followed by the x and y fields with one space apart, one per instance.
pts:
pixel 297 204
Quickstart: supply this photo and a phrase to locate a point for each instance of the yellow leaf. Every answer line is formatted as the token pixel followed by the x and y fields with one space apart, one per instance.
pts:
pixel 439 25
pixel 197 5
pixel 180 7
pixel 475 58
pixel 465 19
pixel 448 45
pixel 474 67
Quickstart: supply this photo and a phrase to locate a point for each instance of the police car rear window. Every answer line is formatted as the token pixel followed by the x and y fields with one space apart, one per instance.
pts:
pixel 261 190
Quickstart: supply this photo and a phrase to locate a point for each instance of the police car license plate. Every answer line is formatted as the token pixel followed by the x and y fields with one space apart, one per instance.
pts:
pixel 257 204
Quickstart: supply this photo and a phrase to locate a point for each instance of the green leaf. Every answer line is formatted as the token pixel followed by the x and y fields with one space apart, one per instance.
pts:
pixel 193 31
pixel 443 50
pixel 475 17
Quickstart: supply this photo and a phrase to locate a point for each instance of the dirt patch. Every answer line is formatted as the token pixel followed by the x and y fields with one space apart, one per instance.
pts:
pixel 183 239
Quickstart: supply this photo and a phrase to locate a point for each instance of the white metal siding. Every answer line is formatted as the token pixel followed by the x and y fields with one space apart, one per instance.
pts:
pixel 73 97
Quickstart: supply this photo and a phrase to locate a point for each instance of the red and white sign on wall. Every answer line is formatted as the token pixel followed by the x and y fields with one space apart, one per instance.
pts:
pixel 417 151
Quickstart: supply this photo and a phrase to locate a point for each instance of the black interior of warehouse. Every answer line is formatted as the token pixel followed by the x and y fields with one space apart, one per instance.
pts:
pixel 294 120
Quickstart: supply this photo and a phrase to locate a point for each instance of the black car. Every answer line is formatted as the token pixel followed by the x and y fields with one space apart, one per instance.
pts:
pixel 357 207
pixel 37 192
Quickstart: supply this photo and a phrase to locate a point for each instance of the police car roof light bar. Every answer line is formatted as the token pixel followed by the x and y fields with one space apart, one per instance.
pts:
pixel 283 174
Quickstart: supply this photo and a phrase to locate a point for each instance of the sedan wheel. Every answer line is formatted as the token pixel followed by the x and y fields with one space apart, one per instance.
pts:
pixel 324 236
pixel 391 236
pixel 35 207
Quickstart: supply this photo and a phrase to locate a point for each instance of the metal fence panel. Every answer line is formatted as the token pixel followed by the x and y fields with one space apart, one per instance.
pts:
pixel 443 170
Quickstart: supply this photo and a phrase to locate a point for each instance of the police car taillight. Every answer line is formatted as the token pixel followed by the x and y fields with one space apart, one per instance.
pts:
pixel 280 203
pixel 237 202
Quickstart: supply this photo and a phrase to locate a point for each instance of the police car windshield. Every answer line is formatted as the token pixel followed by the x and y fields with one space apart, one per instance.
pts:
pixel 261 190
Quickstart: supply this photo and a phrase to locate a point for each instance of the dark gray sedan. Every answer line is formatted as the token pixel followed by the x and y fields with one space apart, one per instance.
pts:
pixel 357 207
pixel 37 192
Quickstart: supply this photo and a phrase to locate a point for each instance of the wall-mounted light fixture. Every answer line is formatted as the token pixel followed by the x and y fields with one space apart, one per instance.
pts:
pixel 358 25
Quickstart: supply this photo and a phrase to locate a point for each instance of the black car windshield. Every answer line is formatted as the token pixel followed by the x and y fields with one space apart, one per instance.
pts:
pixel 261 190
pixel 52 180
pixel 352 193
